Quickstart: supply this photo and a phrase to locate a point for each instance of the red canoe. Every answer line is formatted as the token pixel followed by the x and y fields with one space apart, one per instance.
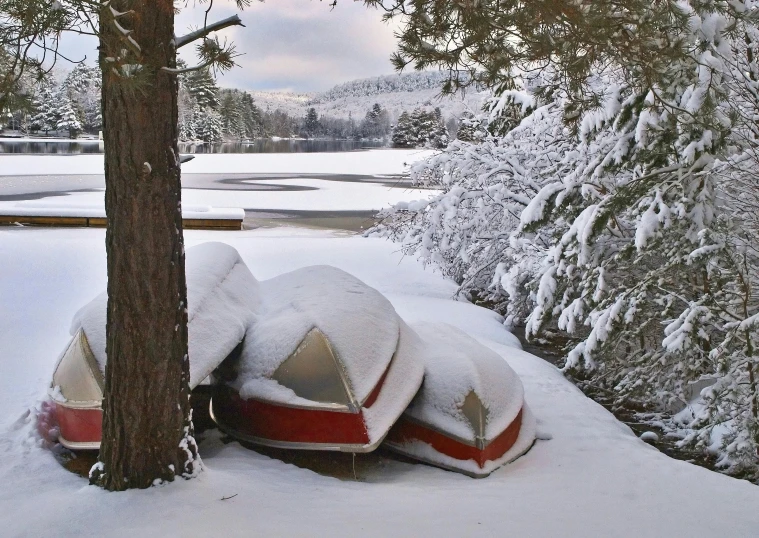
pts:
pixel 217 280
pixel 329 365
pixel 470 415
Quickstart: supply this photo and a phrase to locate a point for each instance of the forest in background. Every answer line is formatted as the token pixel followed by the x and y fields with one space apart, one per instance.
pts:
pixel 70 106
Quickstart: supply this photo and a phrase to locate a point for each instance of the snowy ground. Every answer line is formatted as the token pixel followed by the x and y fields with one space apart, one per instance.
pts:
pixel 593 477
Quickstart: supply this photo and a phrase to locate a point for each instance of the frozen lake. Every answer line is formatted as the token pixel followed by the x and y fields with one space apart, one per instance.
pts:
pixel 335 191
pixel 75 147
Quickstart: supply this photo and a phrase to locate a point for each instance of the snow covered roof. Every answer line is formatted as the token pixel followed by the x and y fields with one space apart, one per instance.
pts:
pixel 321 332
pixel 222 296
pixel 469 391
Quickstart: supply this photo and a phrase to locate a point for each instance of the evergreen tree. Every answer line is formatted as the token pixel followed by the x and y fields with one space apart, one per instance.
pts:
pixel 66 117
pixel 471 128
pixel 311 122
pixel 202 88
pixel 207 125
pixel 404 132
pixel 629 227
pixel 147 432
pixel 251 117
pixel 83 86
pixel 231 113
pixel 44 106
pixel 376 124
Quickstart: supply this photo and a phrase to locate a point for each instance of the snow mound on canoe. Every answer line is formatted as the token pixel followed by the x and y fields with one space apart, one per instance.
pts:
pixel 455 365
pixel 360 324
pixel 223 298
pixel 400 386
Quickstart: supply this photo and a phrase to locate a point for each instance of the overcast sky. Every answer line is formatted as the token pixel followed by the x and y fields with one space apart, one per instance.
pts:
pixel 296 45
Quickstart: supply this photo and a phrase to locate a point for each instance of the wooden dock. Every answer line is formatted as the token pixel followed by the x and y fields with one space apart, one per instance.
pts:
pixel 100 222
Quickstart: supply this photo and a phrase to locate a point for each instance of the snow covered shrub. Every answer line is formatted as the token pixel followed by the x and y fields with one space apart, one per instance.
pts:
pixel 623 213
pixel 467 229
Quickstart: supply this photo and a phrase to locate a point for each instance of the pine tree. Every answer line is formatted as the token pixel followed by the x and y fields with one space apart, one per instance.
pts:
pixel 202 88
pixel 252 118
pixel 231 113
pixel 404 132
pixel 83 86
pixel 66 117
pixel 44 106
pixel 311 122
pixel 207 125
pixel 147 425
pixel 471 128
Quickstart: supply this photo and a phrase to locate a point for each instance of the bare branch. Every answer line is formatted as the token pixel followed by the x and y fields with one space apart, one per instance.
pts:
pixel 179 71
pixel 234 20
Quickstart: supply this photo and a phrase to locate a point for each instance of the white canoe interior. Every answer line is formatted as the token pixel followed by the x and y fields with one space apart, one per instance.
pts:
pixel 77 380
pixel 223 299
pixel 323 339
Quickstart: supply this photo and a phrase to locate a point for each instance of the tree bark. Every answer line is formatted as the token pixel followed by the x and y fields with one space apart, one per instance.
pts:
pixel 147 428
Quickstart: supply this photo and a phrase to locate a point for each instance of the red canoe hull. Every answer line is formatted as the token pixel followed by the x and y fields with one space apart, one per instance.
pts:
pixel 407 430
pixel 80 428
pixel 289 427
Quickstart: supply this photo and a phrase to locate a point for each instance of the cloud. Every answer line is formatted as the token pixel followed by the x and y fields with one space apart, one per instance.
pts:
pixel 304 46
pixel 301 45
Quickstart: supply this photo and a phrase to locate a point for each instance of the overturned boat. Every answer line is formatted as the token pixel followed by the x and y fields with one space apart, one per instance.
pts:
pixel 470 415
pixel 328 365
pixel 223 299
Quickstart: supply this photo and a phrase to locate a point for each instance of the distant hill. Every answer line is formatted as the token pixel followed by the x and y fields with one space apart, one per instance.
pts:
pixel 396 93
pixel 407 82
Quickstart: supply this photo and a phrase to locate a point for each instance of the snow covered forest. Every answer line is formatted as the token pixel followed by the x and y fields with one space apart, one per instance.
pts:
pixel 626 224
pixel 70 106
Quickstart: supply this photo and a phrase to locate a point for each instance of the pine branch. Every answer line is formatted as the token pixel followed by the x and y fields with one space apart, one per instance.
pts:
pixel 234 20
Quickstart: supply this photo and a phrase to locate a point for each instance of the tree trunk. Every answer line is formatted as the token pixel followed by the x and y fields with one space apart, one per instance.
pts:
pixel 147 429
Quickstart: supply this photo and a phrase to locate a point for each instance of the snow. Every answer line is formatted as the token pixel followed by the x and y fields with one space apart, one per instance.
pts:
pixel 401 384
pixel 360 325
pixel 317 194
pixel 649 437
pixel 223 299
pixel 593 478
pixel 455 365
pixel 371 162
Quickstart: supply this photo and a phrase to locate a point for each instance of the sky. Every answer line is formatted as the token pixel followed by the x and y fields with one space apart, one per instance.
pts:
pixel 291 45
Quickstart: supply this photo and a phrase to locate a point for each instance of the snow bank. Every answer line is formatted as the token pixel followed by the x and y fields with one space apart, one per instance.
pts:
pixel 359 323
pixel 222 296
pixel 455 365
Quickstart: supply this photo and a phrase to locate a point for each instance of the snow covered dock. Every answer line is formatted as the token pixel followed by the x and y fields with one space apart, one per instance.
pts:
pixel 59 214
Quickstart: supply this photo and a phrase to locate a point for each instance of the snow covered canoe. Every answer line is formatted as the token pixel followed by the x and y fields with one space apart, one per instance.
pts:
pixel 470 415
pixel 329 365
pixel 223 300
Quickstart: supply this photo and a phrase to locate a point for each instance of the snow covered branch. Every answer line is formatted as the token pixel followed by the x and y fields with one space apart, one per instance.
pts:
pixel 200 33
